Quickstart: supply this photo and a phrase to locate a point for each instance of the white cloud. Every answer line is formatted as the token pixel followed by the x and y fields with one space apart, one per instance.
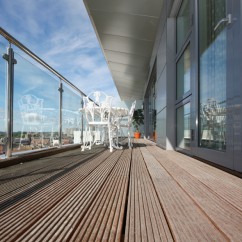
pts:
pixel 60 33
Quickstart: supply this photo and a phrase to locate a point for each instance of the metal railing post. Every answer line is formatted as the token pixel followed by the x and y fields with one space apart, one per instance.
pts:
pixel 10 85
pixel 60 112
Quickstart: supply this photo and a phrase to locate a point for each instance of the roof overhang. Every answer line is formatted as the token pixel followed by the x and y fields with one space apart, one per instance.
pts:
pixel 126 30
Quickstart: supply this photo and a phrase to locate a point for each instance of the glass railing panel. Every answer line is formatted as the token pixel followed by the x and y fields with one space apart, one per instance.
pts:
pixel 3 131
pixel 36 107
pixel 71 116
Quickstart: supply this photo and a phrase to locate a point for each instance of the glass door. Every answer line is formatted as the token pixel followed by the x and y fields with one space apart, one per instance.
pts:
pixel 215 80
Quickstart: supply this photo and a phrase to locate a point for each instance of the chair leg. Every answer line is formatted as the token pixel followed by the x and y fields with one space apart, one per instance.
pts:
pixel 22 130
pixel 110 139
pixel 85 140
pixel 129 139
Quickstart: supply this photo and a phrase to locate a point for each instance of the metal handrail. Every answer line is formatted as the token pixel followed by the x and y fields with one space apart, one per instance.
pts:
pixel 14 41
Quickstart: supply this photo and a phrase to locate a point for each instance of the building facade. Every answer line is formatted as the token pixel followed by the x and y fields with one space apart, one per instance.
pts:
pixel 193 96
pixel 193 90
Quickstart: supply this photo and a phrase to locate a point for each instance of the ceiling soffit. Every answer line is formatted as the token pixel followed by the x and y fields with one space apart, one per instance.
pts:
pixel 126 30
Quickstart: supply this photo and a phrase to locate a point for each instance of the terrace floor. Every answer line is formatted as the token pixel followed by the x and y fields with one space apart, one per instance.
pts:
pixel 142 194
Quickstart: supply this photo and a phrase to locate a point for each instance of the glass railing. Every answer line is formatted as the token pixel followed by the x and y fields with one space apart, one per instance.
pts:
pixel 36 105
pixel 2 100
pixel 71 116
pixel 45 107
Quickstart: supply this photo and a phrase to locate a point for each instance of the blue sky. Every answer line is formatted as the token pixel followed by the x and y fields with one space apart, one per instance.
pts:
pixel 60 33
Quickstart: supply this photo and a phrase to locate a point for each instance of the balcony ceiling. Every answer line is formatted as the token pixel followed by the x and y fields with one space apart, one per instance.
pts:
pixel 126 30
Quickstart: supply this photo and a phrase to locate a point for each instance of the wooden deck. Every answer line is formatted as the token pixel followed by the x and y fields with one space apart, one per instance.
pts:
pixel 143 194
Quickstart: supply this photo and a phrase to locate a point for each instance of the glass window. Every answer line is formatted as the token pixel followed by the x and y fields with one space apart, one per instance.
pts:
pixel 183 126
pixel 151 98
pixel 183 23
pixel 183 73
pixel 213 75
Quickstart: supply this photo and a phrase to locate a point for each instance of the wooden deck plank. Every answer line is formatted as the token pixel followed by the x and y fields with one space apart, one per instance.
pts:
pixel 14 180
pixel 169 196
pixel 153 225
pixel 227 186
pixel 218 210
pixel 158 221
pixel 74 205
pixel 122 180
pixel 25 213
pixel 97 216
pixel 187 221
pixel 93 214
pixel 115 233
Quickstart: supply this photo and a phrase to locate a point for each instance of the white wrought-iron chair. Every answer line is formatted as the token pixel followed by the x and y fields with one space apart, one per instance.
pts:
pixel 97 110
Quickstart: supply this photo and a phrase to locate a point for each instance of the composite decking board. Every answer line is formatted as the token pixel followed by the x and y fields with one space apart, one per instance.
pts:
pixel 145 218
pixel 186 220
pixel 227 186
pixel 224 215
pixel 26 213
pixel 29 178
pixel 73 206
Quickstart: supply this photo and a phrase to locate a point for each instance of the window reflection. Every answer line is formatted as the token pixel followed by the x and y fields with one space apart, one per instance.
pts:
pixel 183 73
pixel 213 75
pixel 183 23
pixel 183 126
pixel 213 120
pixel 152 110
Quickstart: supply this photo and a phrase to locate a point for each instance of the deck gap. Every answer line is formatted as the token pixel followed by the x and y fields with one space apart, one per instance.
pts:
pixel 126 201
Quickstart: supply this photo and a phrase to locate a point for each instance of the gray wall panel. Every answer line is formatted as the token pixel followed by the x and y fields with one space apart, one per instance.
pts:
pixel 161 91
pixel 161 128
pixel 161 55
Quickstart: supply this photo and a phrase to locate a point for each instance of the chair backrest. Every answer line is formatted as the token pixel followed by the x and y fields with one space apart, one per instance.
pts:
pixel 97 97
pixel 97 107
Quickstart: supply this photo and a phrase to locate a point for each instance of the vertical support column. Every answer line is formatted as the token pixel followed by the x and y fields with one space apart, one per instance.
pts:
pixel 60 113
pixel 10 85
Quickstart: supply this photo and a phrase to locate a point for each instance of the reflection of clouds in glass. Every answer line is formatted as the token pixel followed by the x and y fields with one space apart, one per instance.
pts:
pixel 213 70
pixel 60 33
pixel 2 120
pixel 29 79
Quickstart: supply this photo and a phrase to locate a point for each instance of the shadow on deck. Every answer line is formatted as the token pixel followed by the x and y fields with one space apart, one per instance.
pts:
pixel 143 194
